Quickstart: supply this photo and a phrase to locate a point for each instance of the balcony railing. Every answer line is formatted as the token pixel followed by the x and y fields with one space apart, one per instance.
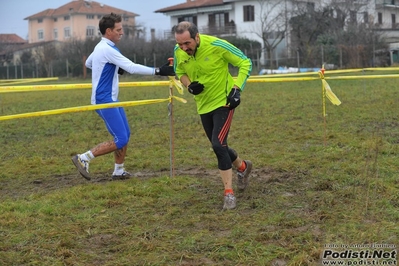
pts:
pixel 221 31
pixel 387 3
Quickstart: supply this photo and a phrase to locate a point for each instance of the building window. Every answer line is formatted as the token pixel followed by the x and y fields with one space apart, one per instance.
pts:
pixel 55 19
pixel 55 34
pixel 99 16
pixel 249 13
pixel 67 33
pixel 219 24
pixel 125 18
pixel 273 35
pixel 40 20
pixel 353 16
pixel 310 7
pixel 379 18
pixel 192 19
pixel 67 17
pixel 40 35
pixel 218 20
pixel 393 19
pixel 366 17
pixel 90 31
pixel 90 16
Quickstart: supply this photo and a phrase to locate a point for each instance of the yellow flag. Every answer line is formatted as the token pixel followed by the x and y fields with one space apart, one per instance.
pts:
pixel 177 84
pixel 330 94
pixel 326 88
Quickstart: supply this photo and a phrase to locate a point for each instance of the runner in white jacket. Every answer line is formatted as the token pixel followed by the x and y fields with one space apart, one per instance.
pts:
pixel 106 62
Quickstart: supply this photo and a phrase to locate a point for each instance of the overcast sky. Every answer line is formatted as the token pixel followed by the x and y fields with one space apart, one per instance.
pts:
pixel 13 12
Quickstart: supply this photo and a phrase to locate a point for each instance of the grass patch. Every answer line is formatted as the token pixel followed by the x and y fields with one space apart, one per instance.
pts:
pixel 303 195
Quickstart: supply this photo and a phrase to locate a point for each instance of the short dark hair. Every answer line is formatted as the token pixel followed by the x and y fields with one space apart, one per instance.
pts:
pixel 186 26
pixel 108 21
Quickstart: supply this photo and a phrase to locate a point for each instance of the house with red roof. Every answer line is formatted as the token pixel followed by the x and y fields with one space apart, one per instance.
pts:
pixel 9 43
pixel 77 19
pixel 11 39
pixel 255 19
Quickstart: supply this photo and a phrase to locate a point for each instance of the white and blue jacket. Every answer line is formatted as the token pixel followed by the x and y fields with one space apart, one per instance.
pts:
pixel 104 62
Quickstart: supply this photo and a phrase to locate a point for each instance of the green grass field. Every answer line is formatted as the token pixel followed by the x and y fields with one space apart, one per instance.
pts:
pixel 314 184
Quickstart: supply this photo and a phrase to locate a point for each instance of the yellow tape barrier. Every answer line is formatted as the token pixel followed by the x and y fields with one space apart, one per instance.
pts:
pixel 178 86
pixel 89 108
pixel 172 82
pixel 274 78
pixel 25 88
pixel 19 81
pixel 329 71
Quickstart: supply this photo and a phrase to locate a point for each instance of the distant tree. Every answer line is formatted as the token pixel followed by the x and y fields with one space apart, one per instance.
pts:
pixel 26 57
pixel 151 53
pixel 272 26
pixel 75 52
pixel 6 52
pixel 44 57
pixel 307 27
pixel 251 48
pixel 334 33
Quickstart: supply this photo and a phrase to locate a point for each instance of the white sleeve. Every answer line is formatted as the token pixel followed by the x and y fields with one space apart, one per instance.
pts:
pixel 89 61
pixel 123 62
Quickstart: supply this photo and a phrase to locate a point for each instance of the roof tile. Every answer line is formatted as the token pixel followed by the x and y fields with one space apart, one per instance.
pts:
pixel 11 39
pixel 190 4
pixel 81 6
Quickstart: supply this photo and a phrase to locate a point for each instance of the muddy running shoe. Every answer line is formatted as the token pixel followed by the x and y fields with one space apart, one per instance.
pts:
pixel 82 166
pixel 243 177
pixel 229 202
pixel 123 176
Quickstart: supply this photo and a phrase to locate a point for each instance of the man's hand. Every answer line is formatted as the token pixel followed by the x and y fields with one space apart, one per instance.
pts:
pixel 233 99
pixel 121 71
pixel 165 70
pixel 195 88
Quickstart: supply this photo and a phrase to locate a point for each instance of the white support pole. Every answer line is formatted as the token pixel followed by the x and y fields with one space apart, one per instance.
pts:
pixel 171 131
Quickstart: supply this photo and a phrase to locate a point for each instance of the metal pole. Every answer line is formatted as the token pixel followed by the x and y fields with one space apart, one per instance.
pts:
pixel 276 59
pixel 374 53
pixel 67 68
pixel 340 56
pixel 391 57
pixel 297 58
pixel 171 132
pixel 170 113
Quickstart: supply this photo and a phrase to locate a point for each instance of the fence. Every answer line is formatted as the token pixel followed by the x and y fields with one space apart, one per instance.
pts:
pixel 34 70
pixel 315 56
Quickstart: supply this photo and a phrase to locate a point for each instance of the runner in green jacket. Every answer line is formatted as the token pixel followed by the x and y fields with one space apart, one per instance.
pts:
pixel 201 63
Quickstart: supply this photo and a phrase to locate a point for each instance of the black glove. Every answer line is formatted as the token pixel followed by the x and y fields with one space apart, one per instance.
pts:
pixel 165 70
pixel 233 99
pixel 121 71
pixel 195 88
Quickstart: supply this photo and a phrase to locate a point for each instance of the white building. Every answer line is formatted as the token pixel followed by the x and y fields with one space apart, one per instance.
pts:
pixel 251 18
